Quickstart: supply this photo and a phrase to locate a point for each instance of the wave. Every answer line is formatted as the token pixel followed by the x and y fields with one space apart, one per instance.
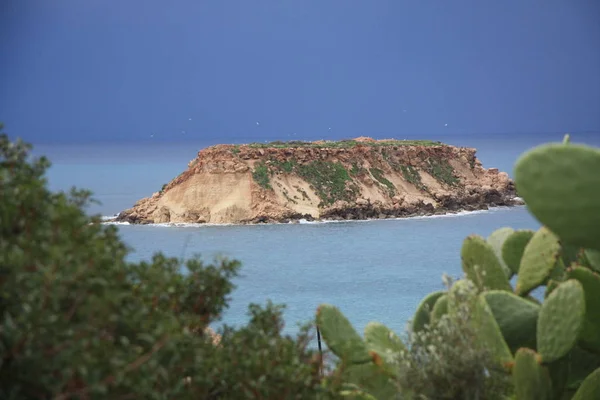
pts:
pixel 457 214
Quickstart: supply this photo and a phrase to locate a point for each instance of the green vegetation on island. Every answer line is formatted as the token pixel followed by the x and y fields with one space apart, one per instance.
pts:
pixel 79 321
pixel 334 181
pixel 347 143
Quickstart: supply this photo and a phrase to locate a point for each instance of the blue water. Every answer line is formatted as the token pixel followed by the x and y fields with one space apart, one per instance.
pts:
pixel 374 270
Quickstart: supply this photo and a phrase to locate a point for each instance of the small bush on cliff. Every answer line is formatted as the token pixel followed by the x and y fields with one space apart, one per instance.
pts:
pixel 261 175
pixel 378 175
pixel 441 170
pixel 78 321
pixel 329 180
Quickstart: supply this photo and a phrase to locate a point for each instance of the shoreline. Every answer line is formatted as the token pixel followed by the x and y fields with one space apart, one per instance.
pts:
pixel 516 202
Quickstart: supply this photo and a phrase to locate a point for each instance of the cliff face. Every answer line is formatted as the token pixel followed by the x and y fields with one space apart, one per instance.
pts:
pixel 324 180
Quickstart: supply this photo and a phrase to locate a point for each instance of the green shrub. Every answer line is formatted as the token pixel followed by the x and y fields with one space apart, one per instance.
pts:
pixel 78 321
pixel 378 175
pixel 411 174
pixel 261 175
pixel 329 180
pixel 441 170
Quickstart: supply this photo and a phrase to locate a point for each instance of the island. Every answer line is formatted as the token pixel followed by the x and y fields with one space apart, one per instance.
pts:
pixel 355 179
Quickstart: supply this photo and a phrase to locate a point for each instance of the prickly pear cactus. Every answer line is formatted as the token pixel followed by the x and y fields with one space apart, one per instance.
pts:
pixel 340 336
pixel 538 261
pixel 590 281
pixel 384 345
pixel 531 378
pixel 561 320
pixel 560 183
pixel 496 240
pixel 482 266
pixel 516 318
pixel 513 248
pixel 423 311
pixel 546 330
pixel 590 388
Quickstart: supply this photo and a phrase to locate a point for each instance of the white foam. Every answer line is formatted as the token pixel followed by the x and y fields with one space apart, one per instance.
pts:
pixel 306 222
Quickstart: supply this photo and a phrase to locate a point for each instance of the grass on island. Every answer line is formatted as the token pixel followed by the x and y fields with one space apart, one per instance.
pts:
pixel 378 174
pixel 342 144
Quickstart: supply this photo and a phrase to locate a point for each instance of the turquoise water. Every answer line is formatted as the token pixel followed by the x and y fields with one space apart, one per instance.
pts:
pixel 372 270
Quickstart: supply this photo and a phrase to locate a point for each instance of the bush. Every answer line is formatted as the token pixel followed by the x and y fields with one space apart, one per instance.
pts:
pixel 79 321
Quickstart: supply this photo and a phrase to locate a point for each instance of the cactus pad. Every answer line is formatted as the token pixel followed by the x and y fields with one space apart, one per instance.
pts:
pixel 550 287
pixel 538 261
pixel 513 248
pixel 593 259
pixel 423 311
pixel 488 332
pixel 561 320
pixel 589 338
pixel 439 309
pixel 590 387
pixel 383 341
pixel 496 240
pixel 516 318
pixel 481 265
pixel 368 378
pixel 340 336
pixel 561 187
pixel 531 380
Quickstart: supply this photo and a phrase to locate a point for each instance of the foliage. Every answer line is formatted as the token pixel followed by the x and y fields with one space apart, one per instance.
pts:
pixel 285 166
pixel 446 360
pixel 329 181
pixel 344 144
pixel 78 321
pixel 379 176
pixel 357 170
pixel 464 346
pixel 411 174
pixel 261 175
pixel 441 170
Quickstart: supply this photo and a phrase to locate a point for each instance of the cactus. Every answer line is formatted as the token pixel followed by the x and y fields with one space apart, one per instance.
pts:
pixel 560 321
pixel 481 265
pixel 590 281
pixel 340 336
pixel 489 332
pixel 369 379
pixel 592 259
pixel 531 379
pixel 590 388
pixel 516 318
pixel 424 308
pixel 538 261
pixel 496 240
pixel 552 346
pixel 440 308
pixel 513 248
pixel 384 343
pixel 561 187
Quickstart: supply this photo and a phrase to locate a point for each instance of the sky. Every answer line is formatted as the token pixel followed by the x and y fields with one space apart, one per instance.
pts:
pixel 76 71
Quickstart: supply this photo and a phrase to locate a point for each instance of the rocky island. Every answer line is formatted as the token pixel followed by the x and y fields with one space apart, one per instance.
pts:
pixel 361 178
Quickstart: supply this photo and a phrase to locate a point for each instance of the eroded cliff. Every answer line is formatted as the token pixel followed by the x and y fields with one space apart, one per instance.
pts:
pixel 356 179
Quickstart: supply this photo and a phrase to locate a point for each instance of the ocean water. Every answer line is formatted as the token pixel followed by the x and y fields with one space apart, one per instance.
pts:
pixel 373 270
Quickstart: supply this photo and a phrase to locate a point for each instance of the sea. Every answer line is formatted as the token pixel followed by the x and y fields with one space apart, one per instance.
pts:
pixel 376 270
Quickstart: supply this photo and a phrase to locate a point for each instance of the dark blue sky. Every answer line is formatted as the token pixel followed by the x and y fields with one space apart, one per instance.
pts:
pixel 99 70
